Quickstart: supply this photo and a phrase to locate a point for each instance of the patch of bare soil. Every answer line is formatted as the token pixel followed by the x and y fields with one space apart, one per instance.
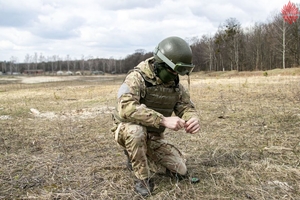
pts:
pixel 83 113
pixel 55 141
pixel 45 79
pixel 42 79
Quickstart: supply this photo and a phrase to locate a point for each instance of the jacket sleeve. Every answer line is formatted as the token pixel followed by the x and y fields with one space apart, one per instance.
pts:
pixel 185 108
pixel 129 107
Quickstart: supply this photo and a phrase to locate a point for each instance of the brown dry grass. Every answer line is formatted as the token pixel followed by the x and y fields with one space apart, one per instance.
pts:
pixel 248 147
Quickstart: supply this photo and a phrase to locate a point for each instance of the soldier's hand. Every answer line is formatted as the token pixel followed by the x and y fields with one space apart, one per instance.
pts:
pixel 174 123
pixel 192 126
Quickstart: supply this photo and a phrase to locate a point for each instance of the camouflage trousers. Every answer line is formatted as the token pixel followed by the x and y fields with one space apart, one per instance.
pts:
pixel 149 153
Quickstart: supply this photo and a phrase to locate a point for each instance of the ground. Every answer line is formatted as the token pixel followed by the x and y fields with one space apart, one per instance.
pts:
pixel 55 140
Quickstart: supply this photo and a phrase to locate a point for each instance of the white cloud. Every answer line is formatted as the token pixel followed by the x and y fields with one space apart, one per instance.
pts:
pixel 102 28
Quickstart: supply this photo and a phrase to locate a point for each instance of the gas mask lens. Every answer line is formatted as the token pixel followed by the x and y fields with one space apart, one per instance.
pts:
pixel 183 69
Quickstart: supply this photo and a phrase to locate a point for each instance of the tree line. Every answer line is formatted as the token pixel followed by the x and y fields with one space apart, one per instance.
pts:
pixel 85 65
pixel 263 46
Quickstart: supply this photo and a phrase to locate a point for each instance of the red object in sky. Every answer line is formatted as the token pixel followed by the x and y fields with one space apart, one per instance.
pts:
pixel 290 12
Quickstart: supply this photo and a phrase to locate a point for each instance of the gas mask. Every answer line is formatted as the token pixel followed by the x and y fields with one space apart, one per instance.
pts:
pixel 165 74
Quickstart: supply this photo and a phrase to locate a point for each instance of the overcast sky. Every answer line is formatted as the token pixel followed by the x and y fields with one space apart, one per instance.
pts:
pixel 115 28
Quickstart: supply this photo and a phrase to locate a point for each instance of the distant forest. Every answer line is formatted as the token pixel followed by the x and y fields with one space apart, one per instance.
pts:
pixel 263 46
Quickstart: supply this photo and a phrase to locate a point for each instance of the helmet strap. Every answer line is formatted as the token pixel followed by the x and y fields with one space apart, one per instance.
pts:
pixel 164 58
pixel 189 81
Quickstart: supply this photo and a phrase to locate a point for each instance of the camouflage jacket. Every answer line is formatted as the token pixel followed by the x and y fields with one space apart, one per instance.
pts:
pixel 131 103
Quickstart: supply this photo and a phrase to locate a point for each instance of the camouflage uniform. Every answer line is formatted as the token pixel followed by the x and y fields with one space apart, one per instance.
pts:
pixel 142 102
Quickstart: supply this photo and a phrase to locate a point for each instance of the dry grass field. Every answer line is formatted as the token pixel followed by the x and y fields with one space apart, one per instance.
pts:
pixel 55 140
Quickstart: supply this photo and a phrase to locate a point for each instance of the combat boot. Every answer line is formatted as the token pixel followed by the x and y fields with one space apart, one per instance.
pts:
pixel 144 187
pixel 128 164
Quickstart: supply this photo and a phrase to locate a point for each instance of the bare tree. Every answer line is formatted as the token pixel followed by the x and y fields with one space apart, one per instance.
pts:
pixel 90 63
pixel 199 50
pixel 82 64
pixel 105 64
pixel 280 33
pixel 3 66
pixel 42 61
pixel 73 63
pixel 220 51
pixel 35 60
pixel 255 42
pixel 112 64
pixel 27 61
pixel 68 62
pixel 13 67
pixel 209 50
pixel 232 33
pixel 54 62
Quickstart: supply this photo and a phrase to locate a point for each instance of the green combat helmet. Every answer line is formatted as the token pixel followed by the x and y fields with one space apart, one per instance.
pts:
pixel 176 53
